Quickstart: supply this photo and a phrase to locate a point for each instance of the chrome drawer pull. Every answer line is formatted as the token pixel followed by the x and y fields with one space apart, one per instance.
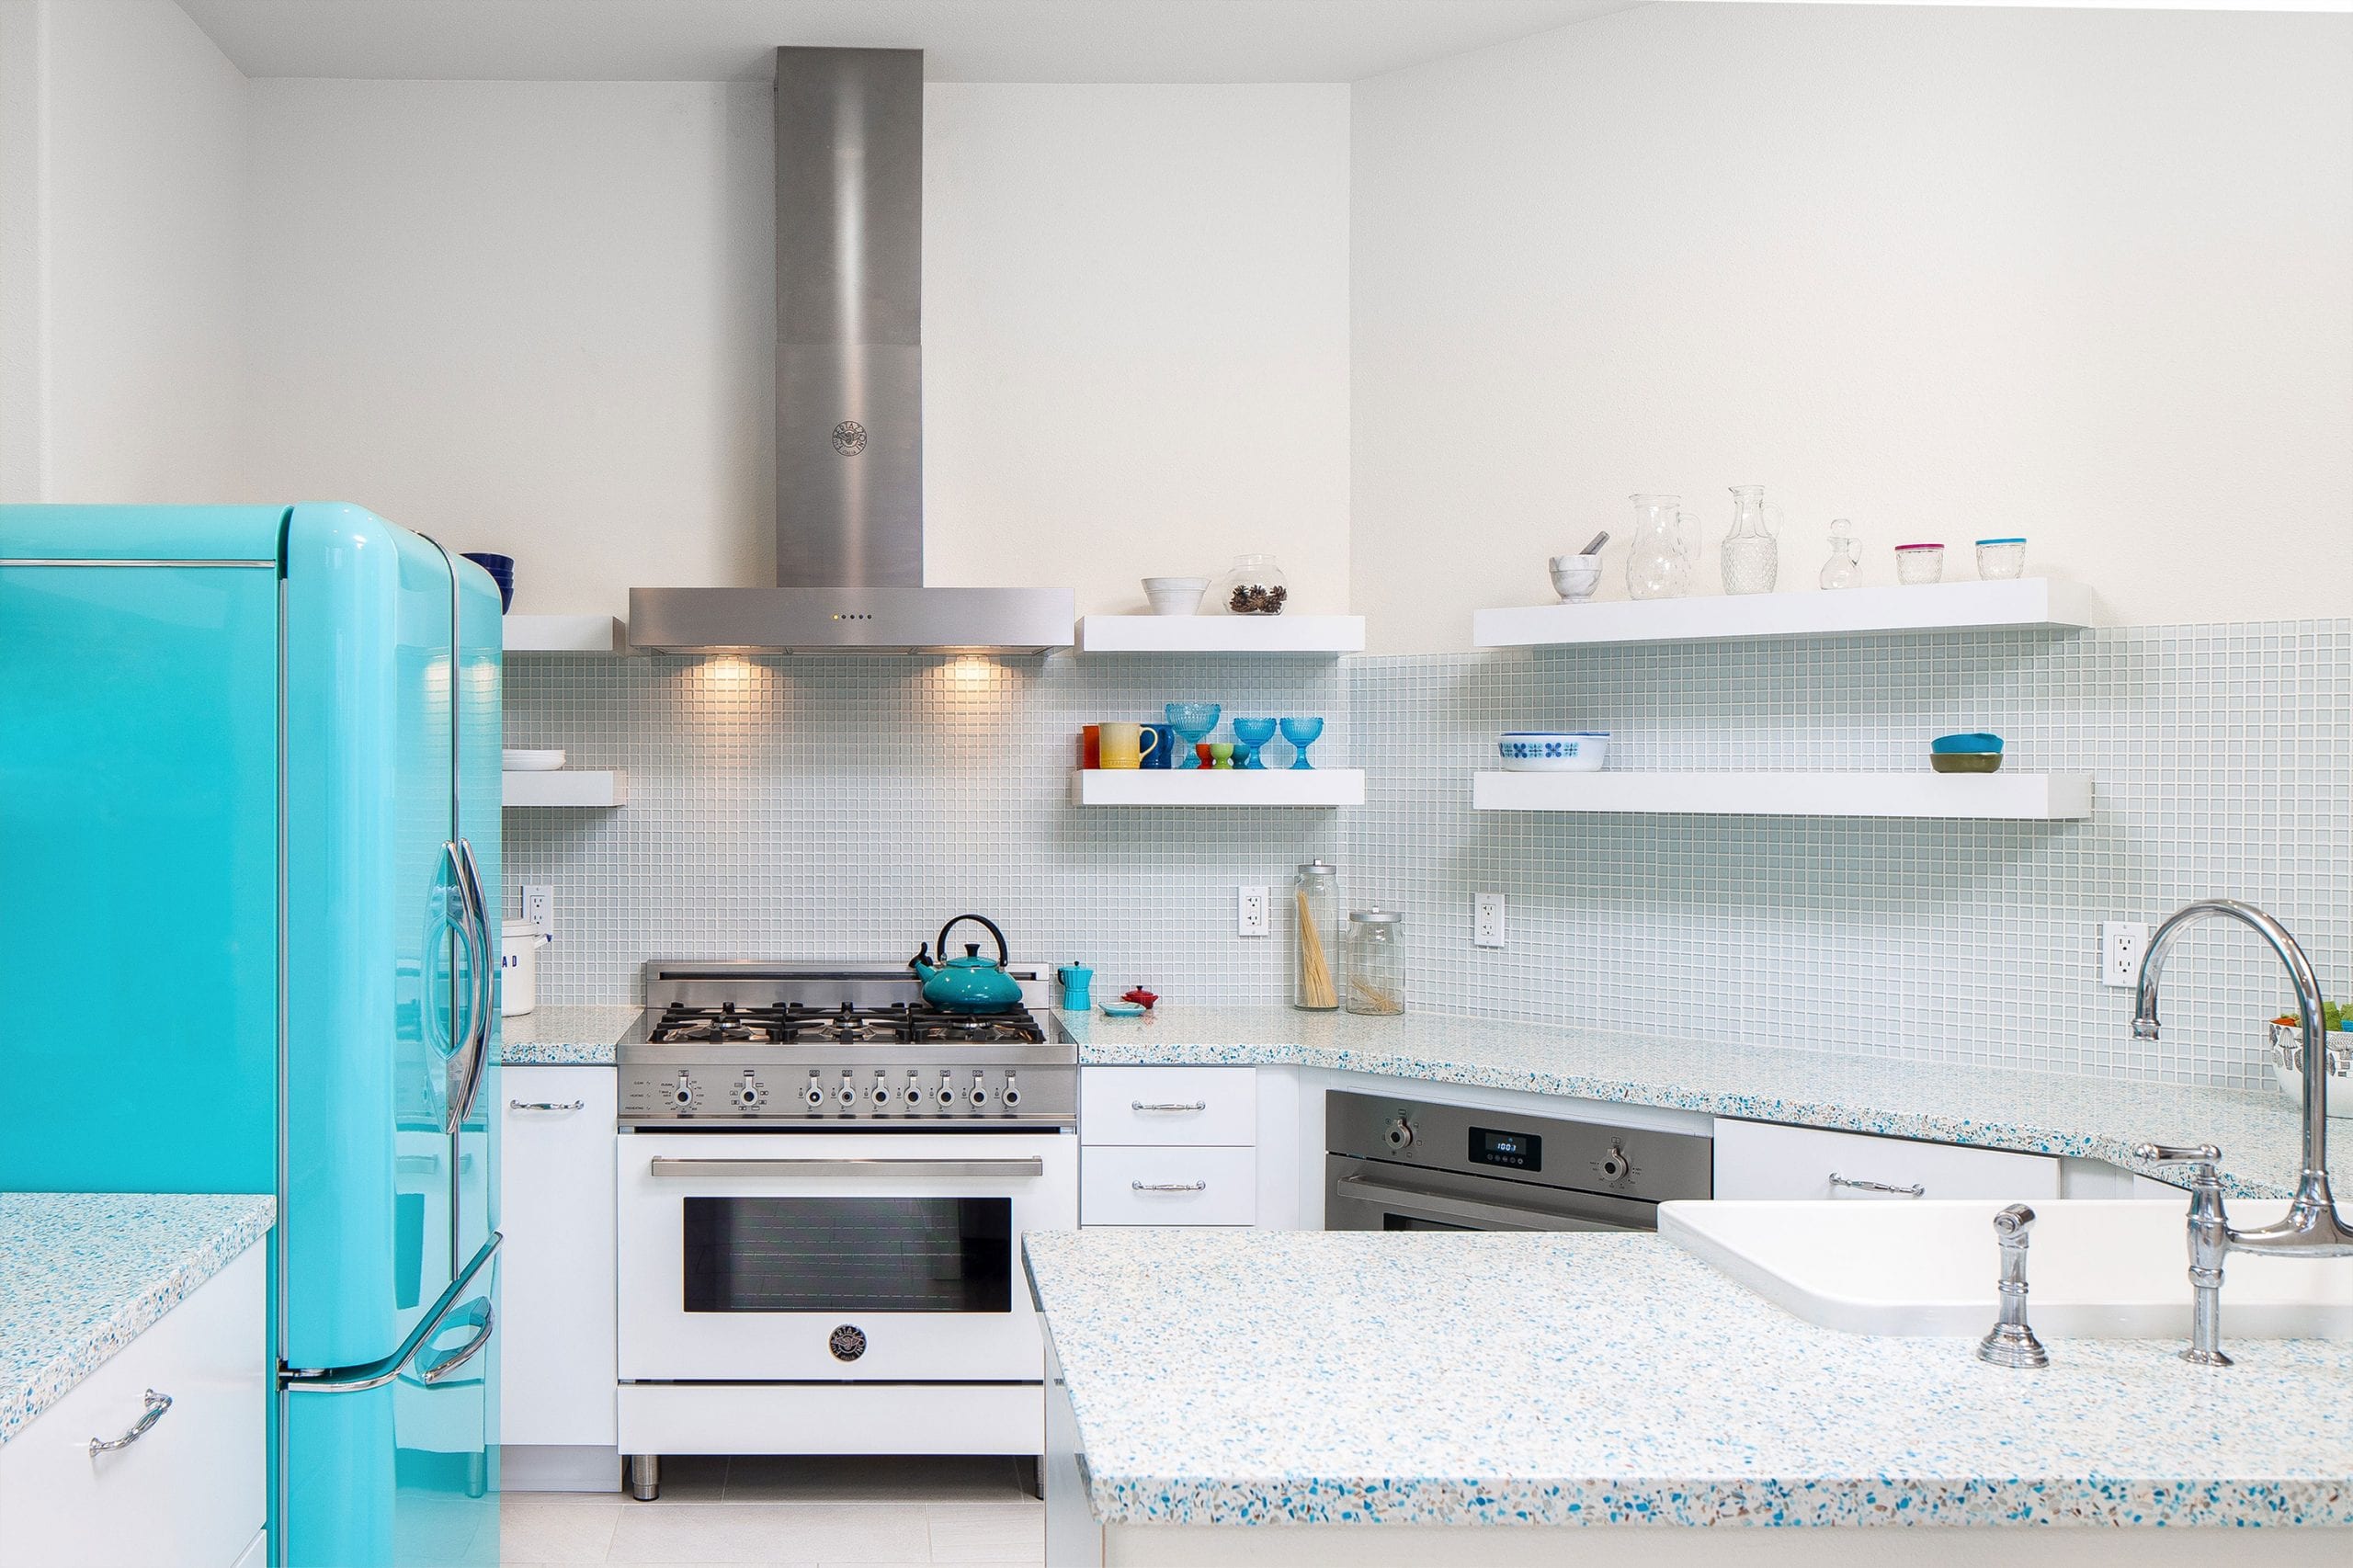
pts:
pixel 664 1166
pixel 545 1105
pixel 1168 1186
pixel 156 1404
pixel 1141 1105
pixel 1915 1191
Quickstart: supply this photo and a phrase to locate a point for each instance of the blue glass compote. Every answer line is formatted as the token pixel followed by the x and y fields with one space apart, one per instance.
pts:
pixel 1192 722
pixel 1255 733
pixel 1301 733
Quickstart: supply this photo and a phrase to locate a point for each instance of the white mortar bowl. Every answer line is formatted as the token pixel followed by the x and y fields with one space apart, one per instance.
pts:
pixel 1576 576
pixel 1175 595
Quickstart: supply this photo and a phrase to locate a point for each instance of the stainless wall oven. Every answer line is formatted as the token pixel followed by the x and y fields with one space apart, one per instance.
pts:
pixel 1398 1164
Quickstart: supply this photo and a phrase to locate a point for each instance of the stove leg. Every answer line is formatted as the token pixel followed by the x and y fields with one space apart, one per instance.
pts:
pixel 642 1475
pixel 1028 1467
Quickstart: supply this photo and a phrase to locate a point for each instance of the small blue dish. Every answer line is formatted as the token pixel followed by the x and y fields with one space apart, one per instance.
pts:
pixel 1977 740
pixel 501 571
pixel 1123 1009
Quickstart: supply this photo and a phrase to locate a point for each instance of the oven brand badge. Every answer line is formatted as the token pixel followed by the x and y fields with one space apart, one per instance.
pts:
pixel 847 1343
pixel 849 437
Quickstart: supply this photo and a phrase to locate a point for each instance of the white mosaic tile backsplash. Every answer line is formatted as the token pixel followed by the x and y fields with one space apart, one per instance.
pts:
pixel 2224 765
pixel 847 807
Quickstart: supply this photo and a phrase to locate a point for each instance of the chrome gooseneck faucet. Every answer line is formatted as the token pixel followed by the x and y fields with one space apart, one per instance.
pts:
pixel 2312 1227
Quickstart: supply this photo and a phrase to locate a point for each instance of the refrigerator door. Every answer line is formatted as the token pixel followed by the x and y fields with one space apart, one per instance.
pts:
pixel 387 1284
pixel 139 845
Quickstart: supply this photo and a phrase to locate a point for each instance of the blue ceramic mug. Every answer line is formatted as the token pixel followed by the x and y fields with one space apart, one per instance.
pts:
pixel 1163 755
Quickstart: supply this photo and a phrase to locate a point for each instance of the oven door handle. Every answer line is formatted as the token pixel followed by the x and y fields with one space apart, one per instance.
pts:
pixel 1440 1203
pixel 784 1166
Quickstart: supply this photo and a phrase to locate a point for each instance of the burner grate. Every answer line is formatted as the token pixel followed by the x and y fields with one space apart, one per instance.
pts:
pixel 798 1022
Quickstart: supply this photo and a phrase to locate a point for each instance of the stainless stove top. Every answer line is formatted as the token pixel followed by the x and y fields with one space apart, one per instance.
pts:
pixel 742 1043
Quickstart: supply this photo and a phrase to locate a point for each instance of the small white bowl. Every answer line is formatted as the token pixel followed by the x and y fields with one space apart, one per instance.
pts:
pixel 1576 576
pixel 530 761
pixel 1552 751
pixel 1175 595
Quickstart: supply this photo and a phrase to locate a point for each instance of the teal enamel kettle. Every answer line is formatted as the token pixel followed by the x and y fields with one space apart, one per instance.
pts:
pixel 972 983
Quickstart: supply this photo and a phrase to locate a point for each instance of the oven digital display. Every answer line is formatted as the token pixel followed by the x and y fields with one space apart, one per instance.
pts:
pixel 1517 1151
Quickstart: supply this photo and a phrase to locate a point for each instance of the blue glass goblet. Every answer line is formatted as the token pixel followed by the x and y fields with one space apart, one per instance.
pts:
pixel 1301 733
pixel 1253 733
pixel 1192 722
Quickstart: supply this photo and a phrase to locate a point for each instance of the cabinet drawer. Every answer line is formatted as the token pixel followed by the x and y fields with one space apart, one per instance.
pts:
pixel 556 1205
pixel 193 1489
pixel 1760 1160
pixel 1195 1187
pixel 1169 1104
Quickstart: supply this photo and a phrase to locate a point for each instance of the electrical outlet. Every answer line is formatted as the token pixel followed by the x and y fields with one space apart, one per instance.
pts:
pixel 2122 943
pixel 1487 920
pixel 539 906
pixel 1250 913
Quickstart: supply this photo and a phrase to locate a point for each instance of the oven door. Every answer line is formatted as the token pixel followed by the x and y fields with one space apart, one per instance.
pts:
pixel 1371 1195
pixel 885 1257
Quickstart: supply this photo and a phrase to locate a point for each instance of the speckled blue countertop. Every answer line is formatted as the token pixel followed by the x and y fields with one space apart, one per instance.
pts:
pixel 565 1036
pixel 1253 1377
pixel 2039 1113
pixel 82 1274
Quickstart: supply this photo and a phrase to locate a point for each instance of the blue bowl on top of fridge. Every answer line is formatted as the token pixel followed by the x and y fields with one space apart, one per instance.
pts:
pixel 1977 740
pixel 1552 751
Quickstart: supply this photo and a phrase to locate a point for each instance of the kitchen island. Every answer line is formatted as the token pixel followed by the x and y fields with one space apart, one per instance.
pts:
pixel 1376 1398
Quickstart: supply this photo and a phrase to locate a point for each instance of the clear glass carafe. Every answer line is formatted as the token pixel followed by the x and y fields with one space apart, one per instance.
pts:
pixel 1658 561
pixel 1846 562
pixel 1376 961
pixel 1315 937
pixel 1752 556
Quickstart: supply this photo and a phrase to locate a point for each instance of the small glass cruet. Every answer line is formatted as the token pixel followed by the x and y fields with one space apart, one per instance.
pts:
pixel 1846 561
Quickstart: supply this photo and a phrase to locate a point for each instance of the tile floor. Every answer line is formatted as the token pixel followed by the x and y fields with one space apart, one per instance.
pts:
pixel 787 1513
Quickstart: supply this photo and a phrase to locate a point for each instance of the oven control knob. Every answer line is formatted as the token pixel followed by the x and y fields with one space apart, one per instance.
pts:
pixel 1012 1090
pixel 881 1090
pixel 683 1094
pixel 1400 1136
pixel 847 1095
pixel 946 1091
pixel 914 1091
pixel 1614 1164
pixel 815 1096
pixel 748 1093
pixel 980 1091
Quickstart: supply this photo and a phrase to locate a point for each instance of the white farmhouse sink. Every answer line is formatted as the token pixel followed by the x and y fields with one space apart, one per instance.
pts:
pixel 2097 1269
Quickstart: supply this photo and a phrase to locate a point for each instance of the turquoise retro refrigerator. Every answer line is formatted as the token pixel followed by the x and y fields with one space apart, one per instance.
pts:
pixel 249 796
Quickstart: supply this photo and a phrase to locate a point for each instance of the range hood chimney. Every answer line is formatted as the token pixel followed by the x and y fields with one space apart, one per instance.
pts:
pixel 849 397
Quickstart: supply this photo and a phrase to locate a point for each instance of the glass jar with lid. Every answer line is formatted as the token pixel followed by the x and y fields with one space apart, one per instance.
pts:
pixel 1376 960
pixel 1316 932
pixel 1254 585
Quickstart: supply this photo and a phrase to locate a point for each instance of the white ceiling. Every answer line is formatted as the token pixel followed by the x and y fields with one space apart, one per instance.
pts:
pixel 966 41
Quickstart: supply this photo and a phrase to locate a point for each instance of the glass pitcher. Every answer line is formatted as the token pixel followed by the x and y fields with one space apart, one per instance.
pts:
pixel 1752 555
pixel 1658 564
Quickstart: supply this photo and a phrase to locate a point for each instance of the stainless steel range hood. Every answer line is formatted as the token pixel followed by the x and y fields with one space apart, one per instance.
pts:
pixel 849 397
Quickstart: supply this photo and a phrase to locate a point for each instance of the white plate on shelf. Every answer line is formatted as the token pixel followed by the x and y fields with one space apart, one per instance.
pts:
pixel 530 761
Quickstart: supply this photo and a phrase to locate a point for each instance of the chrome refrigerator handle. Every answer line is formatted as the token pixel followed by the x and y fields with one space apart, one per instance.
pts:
pixel 376 1373
pixel 475 1051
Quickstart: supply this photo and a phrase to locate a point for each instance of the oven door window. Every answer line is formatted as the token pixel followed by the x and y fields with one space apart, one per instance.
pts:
pixel 848 1254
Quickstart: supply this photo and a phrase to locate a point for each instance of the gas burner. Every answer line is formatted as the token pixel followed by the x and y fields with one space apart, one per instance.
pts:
pixel 756 1024
pixel 898 1024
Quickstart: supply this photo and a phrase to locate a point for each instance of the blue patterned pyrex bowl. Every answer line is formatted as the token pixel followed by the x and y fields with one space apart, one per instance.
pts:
pixel 1552 751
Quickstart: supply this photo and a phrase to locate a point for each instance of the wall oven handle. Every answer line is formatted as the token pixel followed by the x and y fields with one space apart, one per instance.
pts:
pixel 666 1167
pixel 546 1105
pixel 1916 1190
pixel 1189 1104
pixel 1440 1203
pixel 1169 1186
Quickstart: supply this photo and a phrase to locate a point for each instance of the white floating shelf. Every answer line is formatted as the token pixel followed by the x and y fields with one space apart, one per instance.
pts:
pixel 1221 634
pixel 2016 797
pixel 565 788
pixel 1217 787
pixel 564 634
pixel 2041 602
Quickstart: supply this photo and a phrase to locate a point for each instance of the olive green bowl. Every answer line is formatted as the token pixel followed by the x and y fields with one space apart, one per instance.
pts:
pixel 1965 761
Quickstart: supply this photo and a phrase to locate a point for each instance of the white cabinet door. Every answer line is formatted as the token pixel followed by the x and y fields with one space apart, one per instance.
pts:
pixel 1169 1104
pixel 193 1488
pixel 1761 1160
pixel 1179 1186
pixel 556 1200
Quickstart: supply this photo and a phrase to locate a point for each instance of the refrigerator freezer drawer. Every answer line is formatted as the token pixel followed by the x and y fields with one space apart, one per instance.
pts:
pixel 193 1489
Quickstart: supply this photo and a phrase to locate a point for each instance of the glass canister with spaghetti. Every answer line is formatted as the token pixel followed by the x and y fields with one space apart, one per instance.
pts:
pixel 1315 937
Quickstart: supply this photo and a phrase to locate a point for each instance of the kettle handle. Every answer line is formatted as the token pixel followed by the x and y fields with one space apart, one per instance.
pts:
pixel 1004 954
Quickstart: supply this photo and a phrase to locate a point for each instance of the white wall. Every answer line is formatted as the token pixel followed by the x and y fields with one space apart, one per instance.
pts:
pixel 121 248
pixel 538 317
pixel 526 316
pixel 2085 276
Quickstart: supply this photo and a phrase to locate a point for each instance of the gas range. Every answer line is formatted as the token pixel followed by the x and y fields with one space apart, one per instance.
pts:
pixel 745 1043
